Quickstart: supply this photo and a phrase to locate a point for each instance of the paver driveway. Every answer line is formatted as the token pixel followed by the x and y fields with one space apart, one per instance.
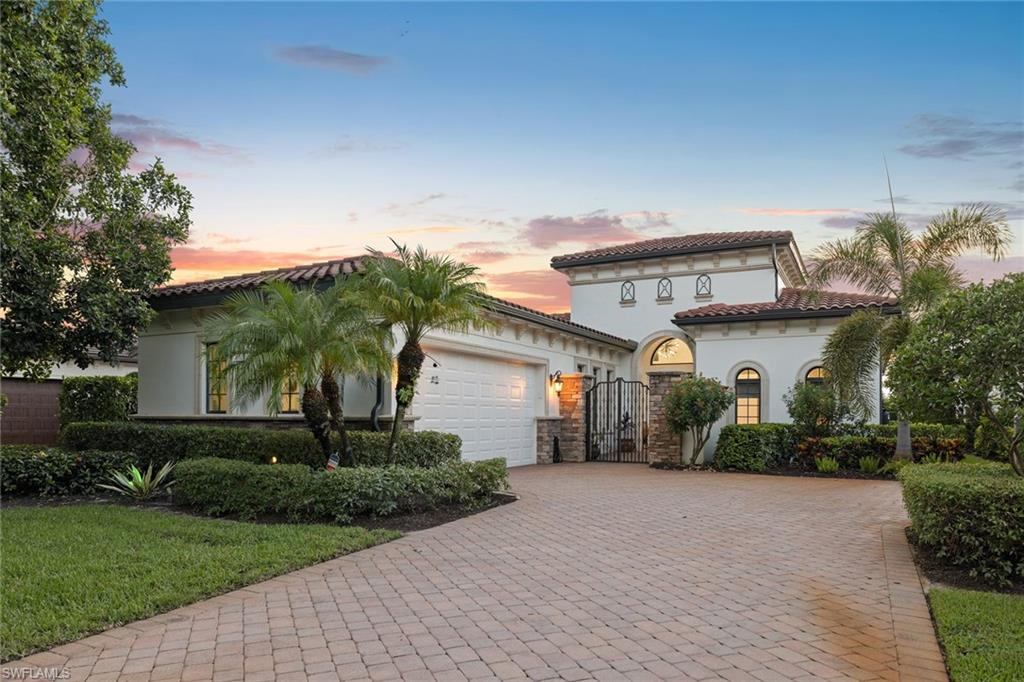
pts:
pixel 600 571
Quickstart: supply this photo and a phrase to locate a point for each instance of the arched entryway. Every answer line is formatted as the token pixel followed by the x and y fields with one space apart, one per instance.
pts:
pixel 665 353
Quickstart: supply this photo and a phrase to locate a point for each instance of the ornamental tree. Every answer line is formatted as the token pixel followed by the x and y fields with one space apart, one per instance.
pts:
pixel 964 358
pixel 693 406
pixel 815 408
pixel 85 237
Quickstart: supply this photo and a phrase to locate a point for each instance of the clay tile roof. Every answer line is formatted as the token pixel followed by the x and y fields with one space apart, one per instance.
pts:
pixel 664 246
pixel 791 303
pixel 328 270
pixel 297 273
pixel 564 317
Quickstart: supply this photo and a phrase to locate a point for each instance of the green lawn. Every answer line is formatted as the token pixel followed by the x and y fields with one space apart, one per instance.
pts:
pixel 982 633
pixel 69 571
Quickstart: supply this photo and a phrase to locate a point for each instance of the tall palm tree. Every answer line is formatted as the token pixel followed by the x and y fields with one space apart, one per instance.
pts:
pixel 282 334
pixel 887 258
pixel 417 292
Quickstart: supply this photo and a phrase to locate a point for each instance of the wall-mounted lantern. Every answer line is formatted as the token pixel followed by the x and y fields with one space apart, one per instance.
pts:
pixel 556 381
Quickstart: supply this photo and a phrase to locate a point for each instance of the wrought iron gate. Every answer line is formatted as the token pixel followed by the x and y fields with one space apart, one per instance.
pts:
pixel 616 425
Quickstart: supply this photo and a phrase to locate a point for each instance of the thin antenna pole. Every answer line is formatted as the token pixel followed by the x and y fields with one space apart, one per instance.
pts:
pixel 888 181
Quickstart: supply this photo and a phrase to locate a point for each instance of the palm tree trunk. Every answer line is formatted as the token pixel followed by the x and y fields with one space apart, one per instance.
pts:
pixel 410 361
pixel 903 449
pixel 314 409
pixel 332 394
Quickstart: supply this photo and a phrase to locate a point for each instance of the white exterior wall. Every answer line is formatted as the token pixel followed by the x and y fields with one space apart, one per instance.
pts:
pixel 780 350
pixel 736 277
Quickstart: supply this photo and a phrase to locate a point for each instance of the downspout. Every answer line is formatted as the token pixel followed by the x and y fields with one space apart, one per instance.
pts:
pixel 375 412
pixel 775 266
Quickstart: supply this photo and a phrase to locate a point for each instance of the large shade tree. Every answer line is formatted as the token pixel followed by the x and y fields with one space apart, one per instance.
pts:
pixel 965 357
pixel 283 334
pixel 885 257
pixel 85 236
pixel 416 292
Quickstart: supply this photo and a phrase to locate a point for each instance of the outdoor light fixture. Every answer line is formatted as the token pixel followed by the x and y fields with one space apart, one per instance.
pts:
pixel 273 459
pixel 556 381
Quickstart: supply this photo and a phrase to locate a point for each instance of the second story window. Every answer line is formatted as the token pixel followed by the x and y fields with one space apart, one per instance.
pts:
pixel 664 288
pixel 704 285
pixel 627 293
pixel 291 401
pixel 216 381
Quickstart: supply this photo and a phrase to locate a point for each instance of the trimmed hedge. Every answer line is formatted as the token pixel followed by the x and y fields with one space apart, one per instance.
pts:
pixel 160 443
pixel 220 487
pixel 755 447
pixel 970 515
pixel 34 470
pixel 848 450
pixel 98 399
pixel 923 430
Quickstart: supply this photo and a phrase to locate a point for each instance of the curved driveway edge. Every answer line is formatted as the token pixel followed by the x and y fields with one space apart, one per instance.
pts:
pixel 599 571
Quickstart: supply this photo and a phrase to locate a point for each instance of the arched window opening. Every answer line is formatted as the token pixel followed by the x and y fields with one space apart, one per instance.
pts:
pixel 672 352
pixel 628 292
pixel 748 396
pixel 664 288
pixel 816 376
pixel 704 285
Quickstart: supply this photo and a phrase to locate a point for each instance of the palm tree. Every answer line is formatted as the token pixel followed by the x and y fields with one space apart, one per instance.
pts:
pixel 419 292
pixel 885 257
pixel 282 334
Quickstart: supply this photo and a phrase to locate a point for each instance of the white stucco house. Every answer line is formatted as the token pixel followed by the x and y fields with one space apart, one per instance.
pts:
pixel 726 305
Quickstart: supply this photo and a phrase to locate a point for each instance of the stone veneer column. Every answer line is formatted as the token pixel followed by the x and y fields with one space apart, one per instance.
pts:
pixel 548 428
pixel 572 406
pixel 662 444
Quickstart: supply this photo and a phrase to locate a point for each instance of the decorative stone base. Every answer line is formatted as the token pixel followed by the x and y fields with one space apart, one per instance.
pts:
pixel 663 446
pixel 572 406
pixel 549 432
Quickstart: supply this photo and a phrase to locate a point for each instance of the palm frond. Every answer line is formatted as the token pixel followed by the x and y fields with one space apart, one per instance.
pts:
pixel 966 228
pixel 851 357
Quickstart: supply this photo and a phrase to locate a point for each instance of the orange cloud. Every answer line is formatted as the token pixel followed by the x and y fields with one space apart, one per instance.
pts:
pixel 545 290
pixel 192 263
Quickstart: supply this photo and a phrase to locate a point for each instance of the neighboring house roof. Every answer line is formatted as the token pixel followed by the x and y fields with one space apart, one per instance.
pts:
pixel 792 303
pixel 213 291
pixel 670 246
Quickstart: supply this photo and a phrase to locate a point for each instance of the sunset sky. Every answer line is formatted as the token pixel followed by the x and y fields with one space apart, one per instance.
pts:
pixel 507 134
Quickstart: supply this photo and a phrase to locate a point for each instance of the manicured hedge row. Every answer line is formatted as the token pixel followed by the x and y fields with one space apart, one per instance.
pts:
pixel 923 430
pixel 755 447
pixel 971 515
pixel 34 470
pixel 98 399
pixel 223 487
pixel 291 446
pixel 847 450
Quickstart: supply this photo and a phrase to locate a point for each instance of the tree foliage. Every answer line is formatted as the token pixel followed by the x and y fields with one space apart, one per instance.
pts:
pixel 693 406
pixel 815 409
pixel 885 257
pixel 85 236
pixel 965 358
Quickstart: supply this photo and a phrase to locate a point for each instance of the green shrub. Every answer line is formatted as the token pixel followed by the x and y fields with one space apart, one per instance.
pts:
pixel 991 442
pixel 870 465
pixel 160 443
pixel 815 409
pixel 32 470
pixel 692 407
pixel 98 399
pixel 970 514
pixel 755 447
pixel 934 431
pixel 849 450
pixel 220 487
pixel 826 465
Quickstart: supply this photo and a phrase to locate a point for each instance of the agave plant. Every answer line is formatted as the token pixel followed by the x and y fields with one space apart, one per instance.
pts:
pixel 138 485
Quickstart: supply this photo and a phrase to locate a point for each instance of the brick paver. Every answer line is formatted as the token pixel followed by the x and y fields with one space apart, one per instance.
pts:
pixel 600 571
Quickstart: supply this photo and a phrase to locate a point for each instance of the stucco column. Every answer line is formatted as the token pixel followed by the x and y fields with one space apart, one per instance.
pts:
pixel 662 444
pixel 572 407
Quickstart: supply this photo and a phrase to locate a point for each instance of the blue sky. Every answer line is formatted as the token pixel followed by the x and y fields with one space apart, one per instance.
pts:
pixel 509 133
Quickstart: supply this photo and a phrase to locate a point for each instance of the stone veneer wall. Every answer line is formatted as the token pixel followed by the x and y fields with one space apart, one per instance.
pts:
pixel 572 406
pixel 662 444
pixel 548 428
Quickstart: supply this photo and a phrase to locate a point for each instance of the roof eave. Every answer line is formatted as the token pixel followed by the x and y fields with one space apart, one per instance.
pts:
pixel 789 314
pixel 618 258
pixel 512 311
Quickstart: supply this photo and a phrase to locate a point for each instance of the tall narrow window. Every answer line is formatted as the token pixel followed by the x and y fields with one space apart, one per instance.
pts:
pixel 748 397
pixel 628 292
pixel 290 398
pixel 216 381
pixel 664 288
pixel 704 285
pixel 815 375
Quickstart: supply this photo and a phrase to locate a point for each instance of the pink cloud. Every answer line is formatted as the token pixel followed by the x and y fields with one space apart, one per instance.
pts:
pixel 980 268
pixel 193 263
pixel 486 257
pixel 593 228
pixel 225 239
pixel 151 136
pixel 545 290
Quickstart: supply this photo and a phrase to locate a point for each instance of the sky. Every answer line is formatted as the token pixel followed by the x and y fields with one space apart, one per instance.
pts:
pixel 506 134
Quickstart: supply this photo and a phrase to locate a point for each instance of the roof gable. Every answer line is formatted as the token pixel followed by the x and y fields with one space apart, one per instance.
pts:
pixel 667 246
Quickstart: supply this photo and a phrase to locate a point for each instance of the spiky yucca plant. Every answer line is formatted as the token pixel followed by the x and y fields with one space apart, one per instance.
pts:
pixel 138 485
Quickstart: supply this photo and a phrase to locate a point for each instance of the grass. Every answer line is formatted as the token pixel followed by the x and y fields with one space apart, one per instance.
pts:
pixel 70 571
pixel 982 634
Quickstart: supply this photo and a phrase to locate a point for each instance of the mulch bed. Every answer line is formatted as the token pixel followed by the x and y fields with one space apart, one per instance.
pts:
pixel 945 575
pixel 405 523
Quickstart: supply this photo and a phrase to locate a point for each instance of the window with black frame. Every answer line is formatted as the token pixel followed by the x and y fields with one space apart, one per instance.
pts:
pixel 704 285
pixel 627 293
pixel 816 376
pixel 216 381
pixel 664 288
pixel 291 400
pixel 748 396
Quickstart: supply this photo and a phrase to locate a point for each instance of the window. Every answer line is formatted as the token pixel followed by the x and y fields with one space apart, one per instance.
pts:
pixel 748 397
pixel 704 285
pixel 291 401
pixel 628 293
pixel 581 368
pixel 610 374
pixel 216 381
pixel 815 375
pixel 672 352
pixel 664 288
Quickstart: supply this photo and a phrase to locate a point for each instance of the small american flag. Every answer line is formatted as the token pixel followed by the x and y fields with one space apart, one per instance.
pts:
pixel 332 461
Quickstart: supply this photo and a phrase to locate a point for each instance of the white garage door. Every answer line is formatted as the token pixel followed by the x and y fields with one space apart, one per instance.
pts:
pixel 491 403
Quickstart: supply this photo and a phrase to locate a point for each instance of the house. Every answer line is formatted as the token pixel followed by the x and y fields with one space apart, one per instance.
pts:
pixel 538 386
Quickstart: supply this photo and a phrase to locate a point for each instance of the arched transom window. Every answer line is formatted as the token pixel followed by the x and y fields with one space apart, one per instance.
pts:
pixel 628 292
pixel 704 285
pixel 672 352
pixel 816 375
pixel 748 396
pixel 664 288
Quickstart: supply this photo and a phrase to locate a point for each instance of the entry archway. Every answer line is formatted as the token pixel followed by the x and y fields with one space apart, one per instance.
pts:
pixel 666 352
